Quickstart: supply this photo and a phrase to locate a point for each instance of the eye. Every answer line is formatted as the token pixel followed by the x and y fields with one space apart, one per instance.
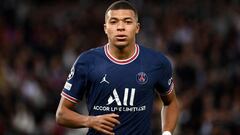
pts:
pixel 113 21
pixel 128 22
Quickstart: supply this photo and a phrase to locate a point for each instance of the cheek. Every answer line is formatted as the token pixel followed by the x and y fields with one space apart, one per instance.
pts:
pixel 110 30
pixel 133 31
pixel 110 33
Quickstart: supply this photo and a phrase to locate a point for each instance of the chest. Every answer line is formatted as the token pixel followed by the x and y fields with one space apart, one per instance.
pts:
pixel 137 75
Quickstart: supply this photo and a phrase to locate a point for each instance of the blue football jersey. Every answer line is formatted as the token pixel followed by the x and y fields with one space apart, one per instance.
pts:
pixel 125 87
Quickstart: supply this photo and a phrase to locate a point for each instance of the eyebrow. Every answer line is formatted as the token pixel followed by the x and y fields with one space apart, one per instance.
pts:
pixel 120 19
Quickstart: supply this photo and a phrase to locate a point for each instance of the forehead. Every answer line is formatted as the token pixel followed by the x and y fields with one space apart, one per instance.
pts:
pixel 120 14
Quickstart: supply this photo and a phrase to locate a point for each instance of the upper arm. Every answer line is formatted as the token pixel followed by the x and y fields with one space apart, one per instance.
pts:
pixel 65 103
pixel 169 98
pixel 64 112
pixel 75 86
pixel 63 106
pixel 164 83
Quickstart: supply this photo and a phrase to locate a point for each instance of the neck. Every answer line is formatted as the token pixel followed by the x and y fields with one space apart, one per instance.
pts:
pixel 122 53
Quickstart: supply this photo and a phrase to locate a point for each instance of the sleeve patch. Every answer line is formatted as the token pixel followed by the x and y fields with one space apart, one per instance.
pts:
pixel 68 86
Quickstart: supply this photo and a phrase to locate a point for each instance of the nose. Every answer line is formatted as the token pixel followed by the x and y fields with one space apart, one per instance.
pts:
pixel 120 26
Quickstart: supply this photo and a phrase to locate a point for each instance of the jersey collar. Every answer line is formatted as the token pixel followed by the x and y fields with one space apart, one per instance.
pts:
pixel 121 62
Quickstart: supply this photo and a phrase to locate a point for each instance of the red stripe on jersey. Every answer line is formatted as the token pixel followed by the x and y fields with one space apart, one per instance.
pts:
pixel 122 62
pixel 68 97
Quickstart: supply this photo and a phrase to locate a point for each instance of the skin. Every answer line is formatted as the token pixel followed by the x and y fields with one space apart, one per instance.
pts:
pixel 121 27
pixel 170 112
pixel 68 117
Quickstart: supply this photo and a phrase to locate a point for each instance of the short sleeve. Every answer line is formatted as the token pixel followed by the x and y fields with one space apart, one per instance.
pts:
pixel 165 81
pixel 75 85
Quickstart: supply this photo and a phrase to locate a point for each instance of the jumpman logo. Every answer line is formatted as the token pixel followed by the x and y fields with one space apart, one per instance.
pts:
pixel 104 79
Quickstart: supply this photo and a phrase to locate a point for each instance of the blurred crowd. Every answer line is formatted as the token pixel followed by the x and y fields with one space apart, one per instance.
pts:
pixel 40 39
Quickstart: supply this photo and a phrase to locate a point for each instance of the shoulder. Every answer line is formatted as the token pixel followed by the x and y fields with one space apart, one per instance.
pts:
pixel 89 55
pixel 155 56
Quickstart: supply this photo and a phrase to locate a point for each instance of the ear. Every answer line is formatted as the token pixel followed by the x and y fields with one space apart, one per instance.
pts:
pixel 105 28
pixel 138 28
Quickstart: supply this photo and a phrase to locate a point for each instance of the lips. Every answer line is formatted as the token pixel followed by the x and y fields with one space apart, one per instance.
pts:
pixel 121 37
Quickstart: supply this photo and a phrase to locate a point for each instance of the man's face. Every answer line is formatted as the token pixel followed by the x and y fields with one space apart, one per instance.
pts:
pixel 121 26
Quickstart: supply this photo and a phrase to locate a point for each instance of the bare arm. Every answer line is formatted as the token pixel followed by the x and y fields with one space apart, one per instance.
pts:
pixel 66 116
pixel 170 112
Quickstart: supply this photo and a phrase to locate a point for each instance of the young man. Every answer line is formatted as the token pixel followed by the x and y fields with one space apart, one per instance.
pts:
pixel 119 81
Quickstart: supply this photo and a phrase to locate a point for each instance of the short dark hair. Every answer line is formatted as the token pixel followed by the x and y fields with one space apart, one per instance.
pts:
pixel 122 4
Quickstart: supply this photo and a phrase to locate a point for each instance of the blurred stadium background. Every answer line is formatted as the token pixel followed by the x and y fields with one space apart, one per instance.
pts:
pixel 40 39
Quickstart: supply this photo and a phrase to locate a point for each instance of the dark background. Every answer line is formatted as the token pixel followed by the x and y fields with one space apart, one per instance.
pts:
pixel 40 39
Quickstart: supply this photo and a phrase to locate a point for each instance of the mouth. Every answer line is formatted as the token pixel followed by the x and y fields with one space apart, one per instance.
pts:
pixel 121 37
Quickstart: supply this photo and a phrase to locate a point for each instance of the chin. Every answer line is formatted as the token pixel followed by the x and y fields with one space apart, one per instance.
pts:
pixel 120 44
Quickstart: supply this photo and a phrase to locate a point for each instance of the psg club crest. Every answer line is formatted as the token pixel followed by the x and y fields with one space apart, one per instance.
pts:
pixel 142 78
